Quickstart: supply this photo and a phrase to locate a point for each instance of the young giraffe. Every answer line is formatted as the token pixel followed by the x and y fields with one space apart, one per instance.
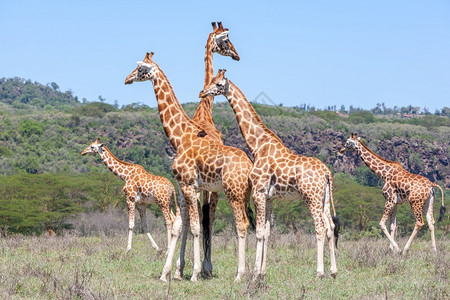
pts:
pixel 280 174
pixel 140 188
pixel 400 187
pixel 218 42
pixel 201 164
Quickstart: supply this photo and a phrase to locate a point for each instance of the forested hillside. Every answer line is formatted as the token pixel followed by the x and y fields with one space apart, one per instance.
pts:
pixel 43 131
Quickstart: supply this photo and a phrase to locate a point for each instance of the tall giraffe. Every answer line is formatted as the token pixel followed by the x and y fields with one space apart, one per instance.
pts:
pixel 280 174
pixel 400 187
pixel 140 188
pixel 218 42
pixel 201 164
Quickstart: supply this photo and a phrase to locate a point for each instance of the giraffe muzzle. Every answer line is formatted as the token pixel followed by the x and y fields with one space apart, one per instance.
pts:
pixel 128 80
pixel 202 94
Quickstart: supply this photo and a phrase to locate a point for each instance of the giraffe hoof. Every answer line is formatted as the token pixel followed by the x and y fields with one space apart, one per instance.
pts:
pixel 178 277
pixel 207 274
pixel 320 274
pixel 238 277
pixel 162 279
pixel 258 278
pixel 334 275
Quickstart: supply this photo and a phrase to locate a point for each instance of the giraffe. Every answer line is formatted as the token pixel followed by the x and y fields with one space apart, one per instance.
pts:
pixel 400 187
pixel 201 164
pixel 218 42
pixel 140 188
pixel 278 173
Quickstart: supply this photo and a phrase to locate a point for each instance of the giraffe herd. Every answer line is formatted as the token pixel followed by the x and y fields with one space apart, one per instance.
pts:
pixel 204 164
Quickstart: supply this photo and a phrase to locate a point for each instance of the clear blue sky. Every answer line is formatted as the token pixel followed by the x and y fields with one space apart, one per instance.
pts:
pixel 315 52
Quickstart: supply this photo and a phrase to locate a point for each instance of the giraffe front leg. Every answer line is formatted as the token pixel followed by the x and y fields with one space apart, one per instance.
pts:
pixel 176 231
pixel 389 206
pixel 393 225
pixel 417 210
pixel 142 214
pixel 131 207
pixel 268 224
pixel 259 201
pixel 236 198
pixel 185 227
pixel 191 198
pixel 164 206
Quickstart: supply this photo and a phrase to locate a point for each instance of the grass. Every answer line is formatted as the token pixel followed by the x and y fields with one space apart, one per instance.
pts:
pixel 97 267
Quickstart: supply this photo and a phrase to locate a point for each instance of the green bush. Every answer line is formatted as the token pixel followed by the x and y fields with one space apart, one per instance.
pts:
pixel 29 127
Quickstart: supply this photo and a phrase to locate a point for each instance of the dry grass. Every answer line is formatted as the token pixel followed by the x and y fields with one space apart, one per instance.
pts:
pixel 96 267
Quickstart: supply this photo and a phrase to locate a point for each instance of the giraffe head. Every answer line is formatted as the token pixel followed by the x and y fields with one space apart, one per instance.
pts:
pixel 143 71
pixel 219 85
pixel 95 147
pixel 221 42
pixel 351 143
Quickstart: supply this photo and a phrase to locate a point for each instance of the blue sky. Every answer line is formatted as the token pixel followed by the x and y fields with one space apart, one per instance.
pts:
pixel 320 53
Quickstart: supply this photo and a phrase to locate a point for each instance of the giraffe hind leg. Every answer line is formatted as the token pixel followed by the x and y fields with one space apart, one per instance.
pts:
pixel 131 211
pixel 330 227
pixel 430 219
pixel 419 223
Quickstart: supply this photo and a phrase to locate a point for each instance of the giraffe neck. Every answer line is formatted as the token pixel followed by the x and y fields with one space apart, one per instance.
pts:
pixel 209 70
pixel 205 107
pixel 383 168
pixel 173 118
pixel 255 133
pixel 119 168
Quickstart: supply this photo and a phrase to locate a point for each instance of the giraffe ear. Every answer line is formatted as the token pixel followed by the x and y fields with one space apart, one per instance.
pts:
pixel 359 138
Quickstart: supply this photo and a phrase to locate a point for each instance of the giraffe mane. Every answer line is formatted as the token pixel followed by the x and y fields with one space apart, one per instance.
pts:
pixel 119 160
pixel 256 116
pixel 379 157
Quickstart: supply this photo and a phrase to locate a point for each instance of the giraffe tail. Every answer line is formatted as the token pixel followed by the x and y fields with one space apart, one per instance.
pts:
pixel 205 223
pixel 177 206
pixel 249 212
pixel 335 218
pixel 251 217
pixel 442 209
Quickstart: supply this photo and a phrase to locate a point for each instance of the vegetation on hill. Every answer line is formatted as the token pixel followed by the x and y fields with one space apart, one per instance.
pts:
pixel 43 131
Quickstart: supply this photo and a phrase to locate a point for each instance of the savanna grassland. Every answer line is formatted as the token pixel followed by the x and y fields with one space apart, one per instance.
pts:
pixel 97 267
